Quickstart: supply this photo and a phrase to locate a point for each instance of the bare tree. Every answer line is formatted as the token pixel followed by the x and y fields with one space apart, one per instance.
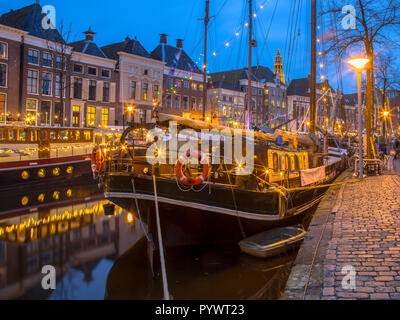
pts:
pixel 375 29
pixel 62 53
pixel 386 74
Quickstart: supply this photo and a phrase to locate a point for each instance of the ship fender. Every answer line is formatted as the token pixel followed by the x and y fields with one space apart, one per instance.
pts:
pixel 98 160
pixel 203 158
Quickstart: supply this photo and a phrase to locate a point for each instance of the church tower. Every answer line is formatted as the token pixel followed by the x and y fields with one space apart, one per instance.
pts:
pixel 278 67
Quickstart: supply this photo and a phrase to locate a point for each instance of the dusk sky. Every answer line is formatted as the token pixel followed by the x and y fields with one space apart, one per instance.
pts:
pixel 114 20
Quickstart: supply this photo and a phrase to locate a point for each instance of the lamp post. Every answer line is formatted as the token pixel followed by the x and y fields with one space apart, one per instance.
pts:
pixel 385 115
pixel 129 108
pixel 359 65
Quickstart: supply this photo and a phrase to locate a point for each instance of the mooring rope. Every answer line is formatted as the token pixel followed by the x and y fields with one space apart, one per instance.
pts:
pixel 160 242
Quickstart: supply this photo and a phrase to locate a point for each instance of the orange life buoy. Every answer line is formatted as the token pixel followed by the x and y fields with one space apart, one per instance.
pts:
pixel 98 159
pixel 192 181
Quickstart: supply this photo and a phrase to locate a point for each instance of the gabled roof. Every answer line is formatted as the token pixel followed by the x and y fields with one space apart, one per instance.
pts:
pixel 88 47
pixel 222 85
pixel 352 99
pixel 258 74
pixel 175 58
pixel 29 19
pixel 132 46
pixel 301 87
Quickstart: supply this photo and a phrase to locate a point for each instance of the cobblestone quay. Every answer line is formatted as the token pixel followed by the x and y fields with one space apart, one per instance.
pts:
pixel 355 228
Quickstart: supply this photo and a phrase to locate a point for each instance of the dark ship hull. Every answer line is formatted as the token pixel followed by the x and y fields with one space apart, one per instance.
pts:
pixel 216 212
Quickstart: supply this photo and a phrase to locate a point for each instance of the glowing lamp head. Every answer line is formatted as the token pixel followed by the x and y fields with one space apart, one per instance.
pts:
pixel 358 63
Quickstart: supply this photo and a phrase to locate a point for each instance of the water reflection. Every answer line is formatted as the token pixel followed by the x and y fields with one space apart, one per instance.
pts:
pixel 99 257
pixel 66 229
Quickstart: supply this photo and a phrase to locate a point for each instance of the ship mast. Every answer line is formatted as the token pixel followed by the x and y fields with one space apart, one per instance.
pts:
pixel 206 21
pixel 313 78
pixel 249 99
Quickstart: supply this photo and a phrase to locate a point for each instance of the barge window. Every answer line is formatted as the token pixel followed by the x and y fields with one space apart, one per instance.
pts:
pixel 22 135
pixel 12 136
pixel 275 161
pixel 296 163
pixel 87 135
pixel 3 135
pixel 287 162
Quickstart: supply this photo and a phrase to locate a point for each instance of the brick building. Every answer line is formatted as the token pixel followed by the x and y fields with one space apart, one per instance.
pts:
pixel 269 102
pixel 140 80
pixel 37 74
pixel 93 85
pixel 182 80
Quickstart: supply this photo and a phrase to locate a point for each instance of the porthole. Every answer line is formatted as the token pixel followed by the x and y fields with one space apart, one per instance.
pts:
pixel 41 197
pixel 56 195
pixel 24 200
pixel 56 172
pixel 69 193
pixel 41 173
pixel 25 175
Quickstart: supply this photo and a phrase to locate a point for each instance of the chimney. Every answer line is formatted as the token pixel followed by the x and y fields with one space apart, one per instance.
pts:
pixel 179 43
pixel 163 38
pixel 89 34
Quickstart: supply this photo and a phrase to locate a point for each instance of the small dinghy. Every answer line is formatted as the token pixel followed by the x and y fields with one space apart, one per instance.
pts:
pixel 272 242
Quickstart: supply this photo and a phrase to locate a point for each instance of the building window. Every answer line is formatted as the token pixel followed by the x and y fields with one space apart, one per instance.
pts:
pixel 169 83
pixel 178 83
pixel 145 72
pixel 186 84
pixel 33 56
pixel 104 117
pixel 76 116
pixel 177 102
pixel 77 88
pixel 133 90
pixel 46 83
pixel 3 75
pixel 3 50
pixel 105 73
pixel 169 102
pixel 145 87
pixel 61 63
pixel 156 74
pixel 78 68
pixel 155 92
pixel 92 90
pixel 31 111
pixel 59 86
pixel 194 86
pixel 92 71
pixel 47 59
pixel 45 111
pixel 186 103
pixel 91 116
pixel 106 91
pixel 2 106
pixel 58 113
pixel 193 104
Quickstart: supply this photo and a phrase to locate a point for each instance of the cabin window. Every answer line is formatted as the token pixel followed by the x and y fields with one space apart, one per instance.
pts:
pixel 275 161
pixel 12 135
pixel 296 163
pixel 3 136
pixel 87 135
pixel 77 135
pixel 53 135
pixel 63 135
pixel 22 135
pixel 287 166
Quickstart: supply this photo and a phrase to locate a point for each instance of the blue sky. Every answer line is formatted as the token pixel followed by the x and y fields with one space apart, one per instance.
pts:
pixel 114 20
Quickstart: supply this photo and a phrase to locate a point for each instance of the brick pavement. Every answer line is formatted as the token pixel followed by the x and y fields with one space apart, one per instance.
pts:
pixel 365 235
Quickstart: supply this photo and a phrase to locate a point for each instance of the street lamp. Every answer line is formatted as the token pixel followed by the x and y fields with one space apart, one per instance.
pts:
pixel 129 108
pixel 359 65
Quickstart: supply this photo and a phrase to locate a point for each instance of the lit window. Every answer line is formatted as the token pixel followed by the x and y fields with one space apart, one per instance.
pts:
pixel 91 116
pixel 104 117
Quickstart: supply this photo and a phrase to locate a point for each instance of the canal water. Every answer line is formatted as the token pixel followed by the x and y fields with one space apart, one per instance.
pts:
pixel 107 257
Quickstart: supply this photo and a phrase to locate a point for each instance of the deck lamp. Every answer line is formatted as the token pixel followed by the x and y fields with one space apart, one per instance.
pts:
pixel 359 64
